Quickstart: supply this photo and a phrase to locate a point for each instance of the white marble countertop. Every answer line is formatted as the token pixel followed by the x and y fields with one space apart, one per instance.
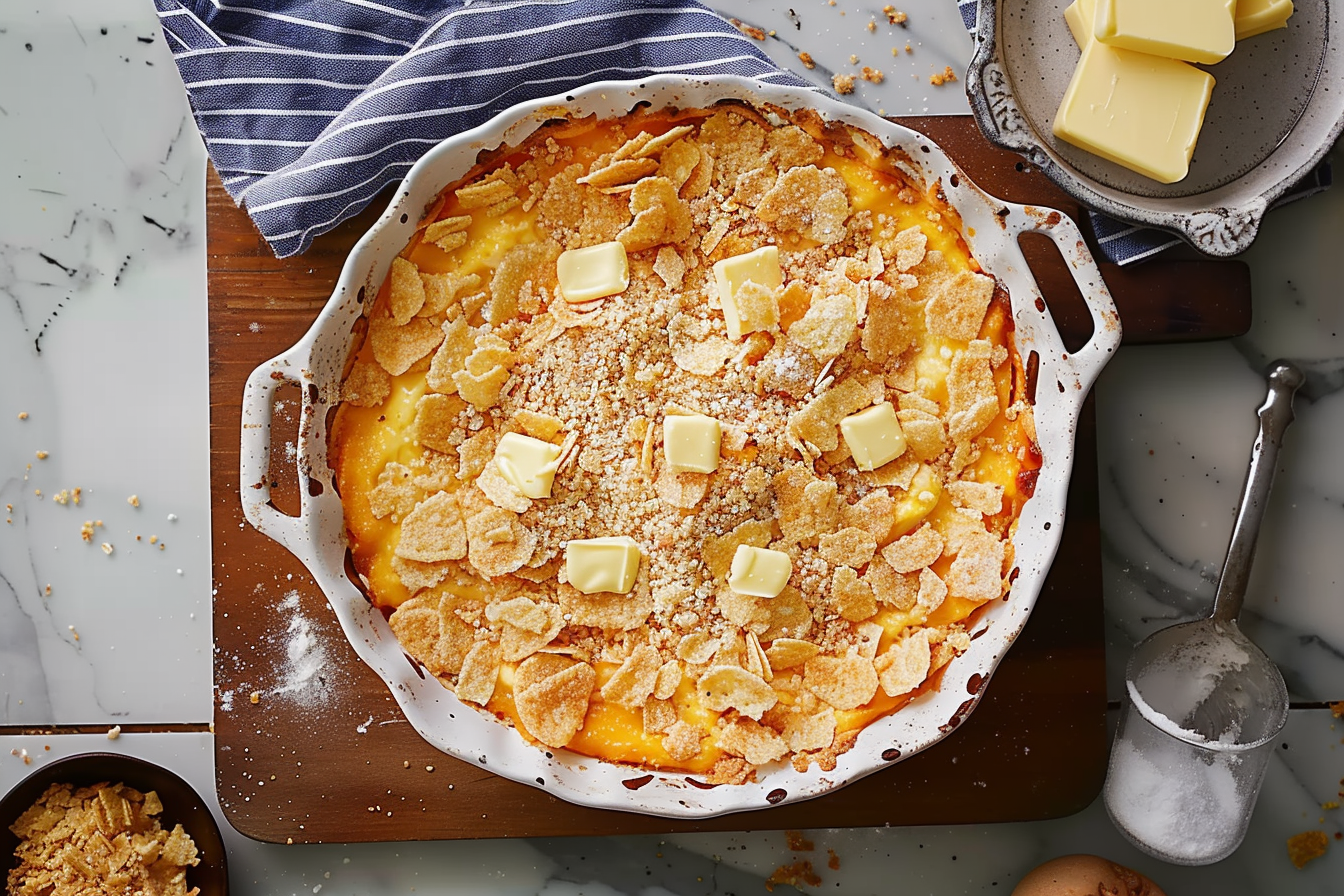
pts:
pixel 103 347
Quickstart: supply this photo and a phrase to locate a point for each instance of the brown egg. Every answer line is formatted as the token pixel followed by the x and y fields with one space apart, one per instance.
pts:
pixel 1083 875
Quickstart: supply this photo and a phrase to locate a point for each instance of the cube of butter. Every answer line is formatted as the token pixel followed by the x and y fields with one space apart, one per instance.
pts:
pixel 528 464
pixel 1258 16
pixel 1191 30
pixel 760 267
pixel 1140 111
pixel 691 443
pixel 611 563
pixel 759 572
pixel 593 272
pixel 873 436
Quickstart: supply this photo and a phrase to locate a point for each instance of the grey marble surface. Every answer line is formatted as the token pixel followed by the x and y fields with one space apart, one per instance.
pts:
pixel 102 268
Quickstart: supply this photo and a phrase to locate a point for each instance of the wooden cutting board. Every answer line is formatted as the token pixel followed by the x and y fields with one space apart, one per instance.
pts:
pixel 340 763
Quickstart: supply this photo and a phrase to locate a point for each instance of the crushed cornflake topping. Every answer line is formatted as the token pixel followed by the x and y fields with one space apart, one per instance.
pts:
pixel 104 839
pixel 877 304
pixel 873 75
pixel 894 15
pixel 133 500
pixel 805 58
pixel 842 83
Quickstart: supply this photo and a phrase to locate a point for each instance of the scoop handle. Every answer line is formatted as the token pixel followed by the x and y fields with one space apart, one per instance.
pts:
pixel 1275 414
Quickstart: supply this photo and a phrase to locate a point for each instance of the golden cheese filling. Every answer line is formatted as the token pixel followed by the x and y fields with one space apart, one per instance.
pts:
pixel 690 441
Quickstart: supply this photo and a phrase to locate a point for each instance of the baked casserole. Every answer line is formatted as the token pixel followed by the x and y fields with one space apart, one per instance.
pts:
pixel 687 440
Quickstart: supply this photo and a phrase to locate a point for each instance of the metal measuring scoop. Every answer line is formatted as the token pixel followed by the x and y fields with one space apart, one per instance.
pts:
pixel 1205 702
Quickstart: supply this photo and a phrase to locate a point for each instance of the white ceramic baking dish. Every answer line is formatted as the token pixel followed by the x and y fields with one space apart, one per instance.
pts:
pixel 317 535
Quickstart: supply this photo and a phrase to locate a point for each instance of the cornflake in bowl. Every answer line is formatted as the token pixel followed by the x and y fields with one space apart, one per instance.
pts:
pixel 694 440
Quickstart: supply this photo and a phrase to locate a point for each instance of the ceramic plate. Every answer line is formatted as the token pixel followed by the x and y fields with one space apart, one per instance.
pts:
pixel 1277 108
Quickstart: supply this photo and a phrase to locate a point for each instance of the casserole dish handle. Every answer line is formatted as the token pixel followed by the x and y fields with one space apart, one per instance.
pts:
pixel 254 482
pixel 1082 366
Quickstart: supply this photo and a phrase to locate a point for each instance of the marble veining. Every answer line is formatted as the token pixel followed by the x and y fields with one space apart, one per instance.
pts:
pixel 103 350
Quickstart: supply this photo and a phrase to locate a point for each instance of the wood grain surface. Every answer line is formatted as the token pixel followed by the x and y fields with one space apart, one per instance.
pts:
pixel 336 761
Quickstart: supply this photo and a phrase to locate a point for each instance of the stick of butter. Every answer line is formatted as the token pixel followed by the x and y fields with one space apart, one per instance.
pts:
pixel 1258 16
pixel 1191 30
pixel 1140 111
pixel 1080 15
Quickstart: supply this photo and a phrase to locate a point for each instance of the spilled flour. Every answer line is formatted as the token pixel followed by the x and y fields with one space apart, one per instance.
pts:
pixel 304 674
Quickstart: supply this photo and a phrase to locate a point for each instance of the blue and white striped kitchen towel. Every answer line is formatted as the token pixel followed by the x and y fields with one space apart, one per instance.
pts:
pixel 1125 243
pixel 310 107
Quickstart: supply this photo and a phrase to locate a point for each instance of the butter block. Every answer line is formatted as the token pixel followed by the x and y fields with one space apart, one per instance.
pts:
pixel 691 443
pixel 1258 16
pixel 1140 111
pixel 1079 15
pixel 759 572
pixel 760 267
pixel 610 563
pixel 874 436
pixel 1190 30
pixel 593 272
pixel 528 464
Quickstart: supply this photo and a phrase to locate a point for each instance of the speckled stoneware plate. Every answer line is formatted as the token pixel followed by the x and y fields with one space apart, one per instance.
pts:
pixel 317 536
pixel 1277 108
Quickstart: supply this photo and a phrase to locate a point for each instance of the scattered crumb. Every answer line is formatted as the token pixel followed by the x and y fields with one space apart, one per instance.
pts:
pixel 73 633
pixel 429 768
pixel 873 75
pixel 793 875
pixel 153 539
pixel 1332 804
pixel 833 862
pixel 843 83
pixel 750 31
pixel 133 500
pixel 22 754
pixel 909 49
pixel 114 732
pixel 797 842
pixel 23 415
pixel 1304 847
pixel 1337 709
pixel 895 16
pixel 938 80
pixel 75 494
pixel 107 548
pixel 42 455
pixel 807 60
pixel 872 25
pixel 255 697
pixel 853 58
pixel 47 591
